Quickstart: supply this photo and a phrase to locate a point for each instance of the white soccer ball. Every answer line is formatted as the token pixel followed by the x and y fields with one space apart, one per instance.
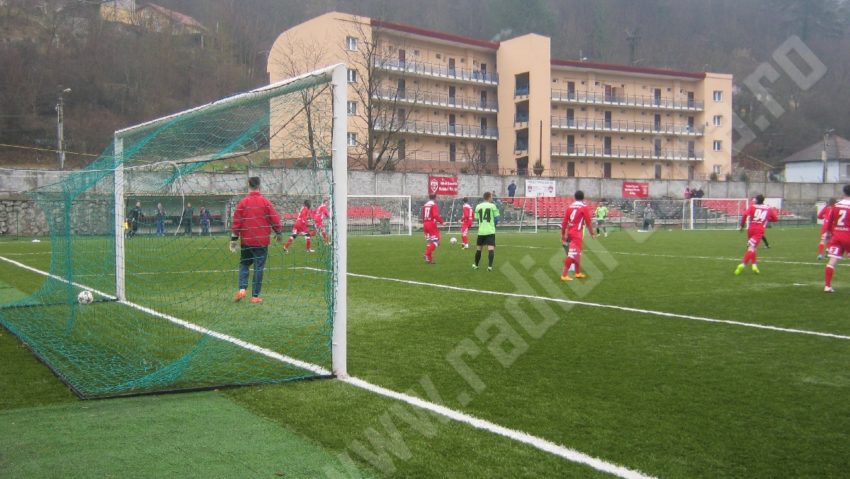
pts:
pixel 453 240
pixel 85 297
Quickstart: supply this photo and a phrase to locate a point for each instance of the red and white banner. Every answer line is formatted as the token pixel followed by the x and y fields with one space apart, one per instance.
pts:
pixel 442 185
pixel 635 189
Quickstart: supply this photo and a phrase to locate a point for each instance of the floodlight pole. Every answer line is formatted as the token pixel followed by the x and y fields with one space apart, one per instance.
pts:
pixel 339 146
pixel 60 127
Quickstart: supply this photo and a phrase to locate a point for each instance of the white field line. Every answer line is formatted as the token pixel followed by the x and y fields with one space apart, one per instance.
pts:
pixel 772 259
pixel 539 443
pixel 604 306
pixel 564 452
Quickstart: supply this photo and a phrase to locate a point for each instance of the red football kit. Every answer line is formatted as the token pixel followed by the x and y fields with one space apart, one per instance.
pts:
pixel 430 218
pixel 466 222
pixel 839 229
pixel 319 215
pixel 300 226
pixel 758 216
pixel 824 215
pixel 576 219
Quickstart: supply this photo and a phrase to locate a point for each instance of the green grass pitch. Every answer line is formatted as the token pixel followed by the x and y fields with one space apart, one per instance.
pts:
pixel 653 383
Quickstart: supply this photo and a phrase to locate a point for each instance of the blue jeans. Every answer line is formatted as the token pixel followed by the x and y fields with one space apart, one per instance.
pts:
pixel 205 227
pixel 160 226
pixel 255 255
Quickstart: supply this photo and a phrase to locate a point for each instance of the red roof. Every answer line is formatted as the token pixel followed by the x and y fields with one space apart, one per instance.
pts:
pixel 176 17
pixel 434 34
pixel 627 69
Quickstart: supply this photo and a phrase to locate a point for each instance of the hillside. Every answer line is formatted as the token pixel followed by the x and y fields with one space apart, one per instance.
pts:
pixel 121 75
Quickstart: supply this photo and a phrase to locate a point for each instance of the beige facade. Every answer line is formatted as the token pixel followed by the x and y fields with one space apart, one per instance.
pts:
pixel 454 104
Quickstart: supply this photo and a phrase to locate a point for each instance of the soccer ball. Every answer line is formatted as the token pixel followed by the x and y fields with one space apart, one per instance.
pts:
pixel 453 240
pixel 85 297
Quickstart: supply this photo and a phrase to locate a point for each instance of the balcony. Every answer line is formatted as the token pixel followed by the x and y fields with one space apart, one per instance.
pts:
pixel 432 128
pixel 625 153
pixel 626 101
pixel 522 91
pixel 436 100
pixel 521 120
pixel 521 148
pixel 435 71
pixel 624 126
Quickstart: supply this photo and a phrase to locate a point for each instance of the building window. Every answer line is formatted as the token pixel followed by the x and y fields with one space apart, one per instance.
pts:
pixel 716 169
pixel 717 145
pixel 351 44
pixel 657 172
pixel 452 152
pixel 352 139
pixel 352 108
pixel 847 170
pixel 571 169
pixel 718 120
pixel 352 75
pixel 718 96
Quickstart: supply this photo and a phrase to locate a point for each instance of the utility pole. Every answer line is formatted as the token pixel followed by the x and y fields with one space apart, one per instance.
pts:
pixel 60 127
pixel 823 154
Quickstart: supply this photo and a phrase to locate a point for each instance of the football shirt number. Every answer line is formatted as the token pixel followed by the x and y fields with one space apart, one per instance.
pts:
pixel 485 216
pixel 760 215
pixel 842 217
pixel 427 214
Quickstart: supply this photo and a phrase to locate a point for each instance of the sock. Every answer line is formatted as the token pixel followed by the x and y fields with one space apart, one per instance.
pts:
pixel 490 255
pixel 567 263
pixel 309 242
pixel 753 256
pixel 288 242
pixel 577 262
pixel 325 236
pixel 429 250
pixel 465 239
pixel 747 257
pixel 477 257
pixel 764 239
pixel 828 275
pixel 820 249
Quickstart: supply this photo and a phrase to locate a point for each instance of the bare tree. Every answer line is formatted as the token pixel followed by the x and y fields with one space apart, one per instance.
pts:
pixel 386 109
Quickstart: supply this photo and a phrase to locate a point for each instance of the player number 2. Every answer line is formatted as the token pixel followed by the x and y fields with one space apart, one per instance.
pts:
pixel 842 217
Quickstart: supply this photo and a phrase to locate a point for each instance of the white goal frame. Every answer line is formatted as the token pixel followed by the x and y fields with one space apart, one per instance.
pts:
pixel 336 76
pixel 724 220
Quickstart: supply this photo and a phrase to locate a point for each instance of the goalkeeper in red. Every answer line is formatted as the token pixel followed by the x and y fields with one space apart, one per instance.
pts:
pixel 253 221
pixel 466 222
pixel 430 215
pixel 839 236
pixel 576 219
pixel 758 215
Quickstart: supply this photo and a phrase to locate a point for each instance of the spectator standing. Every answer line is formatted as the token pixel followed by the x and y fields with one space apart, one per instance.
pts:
pixel 188 213
pixel 135 218
pixel 160 220
pixel 648 218
pixel 204 217
pixel 512 189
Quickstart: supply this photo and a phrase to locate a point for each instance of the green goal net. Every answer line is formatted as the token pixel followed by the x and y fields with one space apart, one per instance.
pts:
pixel 139 296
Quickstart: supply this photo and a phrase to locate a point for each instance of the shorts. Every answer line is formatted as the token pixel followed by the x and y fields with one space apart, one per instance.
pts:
pixel 600 222
pixel 575 246
pixel 464 227
pixel 838 247
pixel 300 229
pixel 486 240
pixel 432 233
pixel 754 238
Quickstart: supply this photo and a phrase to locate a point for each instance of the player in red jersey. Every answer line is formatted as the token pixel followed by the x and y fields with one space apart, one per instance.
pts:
pixel 319 215
pixel 823 214
pixel 430 219
pixel 758 215
pixel 466 222
pixel 839 236
pixel 301 228
pixel 576 219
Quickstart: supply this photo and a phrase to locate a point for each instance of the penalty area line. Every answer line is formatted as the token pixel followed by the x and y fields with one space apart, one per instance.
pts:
pixel 563 452
pixel 647 312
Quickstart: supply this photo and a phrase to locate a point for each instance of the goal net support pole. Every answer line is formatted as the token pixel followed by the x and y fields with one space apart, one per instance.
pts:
pixel 339 146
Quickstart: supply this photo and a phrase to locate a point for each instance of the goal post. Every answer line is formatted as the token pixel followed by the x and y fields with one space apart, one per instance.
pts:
pixel 714 213
pixel 145 228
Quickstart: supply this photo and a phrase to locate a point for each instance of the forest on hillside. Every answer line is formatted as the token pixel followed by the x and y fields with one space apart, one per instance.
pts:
pixel 120 76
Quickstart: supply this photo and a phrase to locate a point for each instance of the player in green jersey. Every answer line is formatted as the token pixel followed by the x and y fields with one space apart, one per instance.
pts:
pixel 601 216
pixel 488 216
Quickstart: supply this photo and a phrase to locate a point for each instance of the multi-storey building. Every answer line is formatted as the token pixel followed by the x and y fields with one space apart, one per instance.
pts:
pixel 450 103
